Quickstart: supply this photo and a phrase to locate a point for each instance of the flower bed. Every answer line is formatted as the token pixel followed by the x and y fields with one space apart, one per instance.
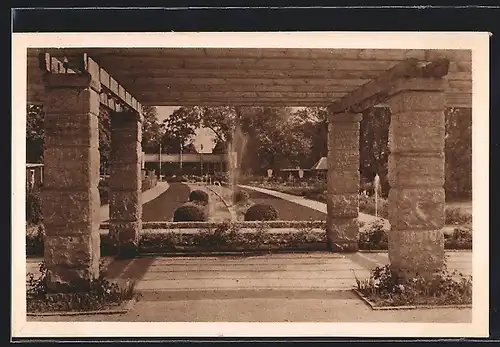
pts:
pixel 278 235
pixel 387 289
pixel 94 296
pixel 375 238
pixel 229 238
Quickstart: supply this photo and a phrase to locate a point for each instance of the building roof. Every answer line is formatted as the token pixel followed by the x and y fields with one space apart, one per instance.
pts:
pixel 321 164
pixel 297 169
pixel 30 165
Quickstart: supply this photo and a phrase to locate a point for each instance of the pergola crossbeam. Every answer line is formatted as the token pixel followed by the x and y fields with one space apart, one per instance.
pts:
pixel 377 90
pixel 113 95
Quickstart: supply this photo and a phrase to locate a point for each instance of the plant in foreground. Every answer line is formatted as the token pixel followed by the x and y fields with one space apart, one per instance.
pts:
pixel 98 294
pixel 386 287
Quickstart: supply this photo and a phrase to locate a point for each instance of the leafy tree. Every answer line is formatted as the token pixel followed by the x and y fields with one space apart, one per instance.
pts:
pixel 313 123
pixel 373 145
pixel 180 128
pixel 104 139
pixel 219 148
pixel 35 134
pixel 458 153
pixel 151 130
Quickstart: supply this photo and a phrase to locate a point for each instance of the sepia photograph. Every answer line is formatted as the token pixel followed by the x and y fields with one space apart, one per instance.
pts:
pixel 180 184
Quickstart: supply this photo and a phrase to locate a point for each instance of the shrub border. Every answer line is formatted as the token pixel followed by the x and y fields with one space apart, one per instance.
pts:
pixel 240 224
pixel 376 307
pixel 107 247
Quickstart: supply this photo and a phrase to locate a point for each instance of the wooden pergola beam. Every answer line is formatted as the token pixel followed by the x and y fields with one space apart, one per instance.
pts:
pixel 113 95
pixel 277 53
pixel 376 91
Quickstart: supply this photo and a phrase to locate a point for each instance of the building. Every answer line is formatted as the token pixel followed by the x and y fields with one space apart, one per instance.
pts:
pixel 34 175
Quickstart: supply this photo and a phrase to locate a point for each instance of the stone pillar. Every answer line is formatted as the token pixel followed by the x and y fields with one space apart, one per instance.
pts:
pixel 70 196
pixel 416 177
pixel 125 207
pixel 343 182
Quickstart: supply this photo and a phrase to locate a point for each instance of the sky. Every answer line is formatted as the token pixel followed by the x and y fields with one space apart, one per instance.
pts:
pixel 203 136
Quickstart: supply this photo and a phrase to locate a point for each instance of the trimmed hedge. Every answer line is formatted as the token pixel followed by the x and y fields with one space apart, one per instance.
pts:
pixel 199 197
pixel 190 212
pixel 261 212
pixel 232 238
pixel 241 224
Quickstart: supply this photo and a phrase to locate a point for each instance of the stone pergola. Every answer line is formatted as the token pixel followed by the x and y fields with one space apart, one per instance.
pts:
pixel 74 85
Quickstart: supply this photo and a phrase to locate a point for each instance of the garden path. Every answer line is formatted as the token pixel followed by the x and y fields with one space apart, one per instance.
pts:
pixel 366 219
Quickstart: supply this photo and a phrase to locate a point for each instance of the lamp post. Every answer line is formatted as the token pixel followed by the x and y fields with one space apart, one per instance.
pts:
pixel 376 185
pixel 162 133
pixel 160 162
pixel 180 166
pixel 201 160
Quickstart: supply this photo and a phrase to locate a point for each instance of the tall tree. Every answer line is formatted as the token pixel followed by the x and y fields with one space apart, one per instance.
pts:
pixel 151 130
pixel 458 153
pixel 180 128
pixel 104 139
pixel 373 145
pixel 35 134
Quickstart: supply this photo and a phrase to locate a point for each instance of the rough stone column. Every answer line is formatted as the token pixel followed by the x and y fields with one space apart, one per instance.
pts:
pixel 125 208
pixel 416 177
pixel 343 182
pixel 70 196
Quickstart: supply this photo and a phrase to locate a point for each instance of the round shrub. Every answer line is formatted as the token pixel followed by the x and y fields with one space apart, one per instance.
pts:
pixel 190 212
pixel 240 196
pixel 261 212
pixel 199 197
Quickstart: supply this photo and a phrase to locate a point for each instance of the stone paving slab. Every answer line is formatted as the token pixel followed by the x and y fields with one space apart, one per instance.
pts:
pixel 311 287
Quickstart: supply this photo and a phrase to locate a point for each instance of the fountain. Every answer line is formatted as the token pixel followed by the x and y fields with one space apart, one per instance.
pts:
pixel 236 148
pixel 235 153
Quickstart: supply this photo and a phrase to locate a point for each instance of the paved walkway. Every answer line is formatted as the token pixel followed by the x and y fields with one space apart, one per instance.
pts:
pixel 268 288
pixel 162 208
pixel 147 196
pixel 315 205
pixel 367 219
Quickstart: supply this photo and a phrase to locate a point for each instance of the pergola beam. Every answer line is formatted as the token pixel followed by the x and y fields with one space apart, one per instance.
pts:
pixel 113 95
pixel 278 53
pixel 377 90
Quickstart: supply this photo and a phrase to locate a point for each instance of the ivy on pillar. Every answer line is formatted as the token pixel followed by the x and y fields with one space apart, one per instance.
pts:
pixel 416 176
pixel 125 207
pixel 343 181
pixel 70 196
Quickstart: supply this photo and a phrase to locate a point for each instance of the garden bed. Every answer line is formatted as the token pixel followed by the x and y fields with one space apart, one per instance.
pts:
pixel 242 236
pixel 387 290
pixel 99 296
pixel 376 307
